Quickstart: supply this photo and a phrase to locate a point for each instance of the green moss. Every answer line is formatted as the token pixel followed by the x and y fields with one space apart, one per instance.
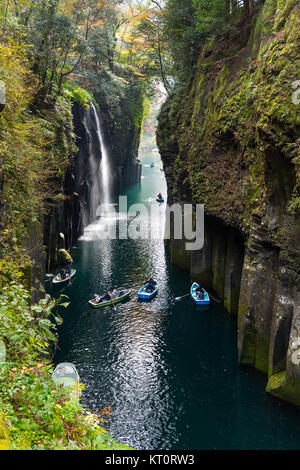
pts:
pixel 232 141
pixel 218 282
pixel 179 256
pixel 262 354
pixel 27 276
pixel 247 354
pixel 64 257
pixel 231 302
pixel 77 94
pixel 203 277
pixel 287 389
pixel 4 435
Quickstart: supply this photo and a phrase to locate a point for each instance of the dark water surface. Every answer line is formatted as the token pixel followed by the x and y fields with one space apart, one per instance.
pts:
pixel 168 369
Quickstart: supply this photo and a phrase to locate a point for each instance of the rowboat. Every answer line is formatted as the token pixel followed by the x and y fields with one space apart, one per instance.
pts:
pixel 160 200
pixel 152 165
pixel 194 295
pixel 58 279
pixel 66 374
pixel 122 295
pixel 146 294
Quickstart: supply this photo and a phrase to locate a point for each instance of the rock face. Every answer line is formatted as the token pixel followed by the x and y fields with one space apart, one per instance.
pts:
pixel 81 187
pixel 64 221
pixel 122 132
pixel 229 140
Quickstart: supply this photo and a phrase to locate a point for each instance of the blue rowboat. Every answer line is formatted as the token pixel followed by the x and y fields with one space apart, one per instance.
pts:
pixel 160 200
pixel 146 294
pixel 195 297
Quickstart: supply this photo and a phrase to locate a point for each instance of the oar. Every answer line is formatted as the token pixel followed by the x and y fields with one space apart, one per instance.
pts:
pixel 112 302
pixel 182 297
pixel 113 305
pixel 219 301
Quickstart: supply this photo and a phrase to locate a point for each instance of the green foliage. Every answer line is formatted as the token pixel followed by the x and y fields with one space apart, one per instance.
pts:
pixel 191 24
pixel 37 413
pixel 210 16
pixel 183 37
pixel 41 415
pixel 111 90
pixel 27 330
pixel 294 204
pixel 77 94
pixel 240 105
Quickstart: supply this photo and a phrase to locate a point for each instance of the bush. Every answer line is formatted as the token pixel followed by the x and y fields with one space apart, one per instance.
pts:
pixel 37 413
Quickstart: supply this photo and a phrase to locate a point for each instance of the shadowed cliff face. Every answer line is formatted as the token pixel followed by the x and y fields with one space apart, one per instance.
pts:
pixel 122 134
pixel 87 163
pixel 234 146
pixel 82 187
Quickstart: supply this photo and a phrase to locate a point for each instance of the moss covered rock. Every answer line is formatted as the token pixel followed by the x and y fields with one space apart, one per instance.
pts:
pixel 4 435
pixel 64 257
pixel 229 139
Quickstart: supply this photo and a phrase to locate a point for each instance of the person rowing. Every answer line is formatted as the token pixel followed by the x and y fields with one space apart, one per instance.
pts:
pixel 113 294
pixel 151 284
pixel 105 298
pixel 159 197
pixel 200 293
pixel 68 270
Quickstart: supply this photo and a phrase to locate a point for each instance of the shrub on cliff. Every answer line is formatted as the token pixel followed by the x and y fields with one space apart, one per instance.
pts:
pixel 36 413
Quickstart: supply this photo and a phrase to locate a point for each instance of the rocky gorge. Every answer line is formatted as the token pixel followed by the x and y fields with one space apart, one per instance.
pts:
pixel 66 220
pixel 229 139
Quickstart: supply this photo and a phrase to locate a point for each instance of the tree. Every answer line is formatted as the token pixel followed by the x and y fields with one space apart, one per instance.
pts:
pixel 143 43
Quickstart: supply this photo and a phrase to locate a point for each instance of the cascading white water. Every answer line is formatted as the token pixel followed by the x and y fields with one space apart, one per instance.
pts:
pixel 100 201
pixel 105 171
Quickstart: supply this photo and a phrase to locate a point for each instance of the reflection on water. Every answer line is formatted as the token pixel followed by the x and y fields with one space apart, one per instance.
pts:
pixel 168 369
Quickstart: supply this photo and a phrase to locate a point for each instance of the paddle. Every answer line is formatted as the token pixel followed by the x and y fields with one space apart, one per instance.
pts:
pixel 112 302
pixel 182 297
pixel 113 305
pixel 219 301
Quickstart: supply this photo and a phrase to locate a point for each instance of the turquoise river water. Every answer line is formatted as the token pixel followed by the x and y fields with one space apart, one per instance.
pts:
pixel 168 369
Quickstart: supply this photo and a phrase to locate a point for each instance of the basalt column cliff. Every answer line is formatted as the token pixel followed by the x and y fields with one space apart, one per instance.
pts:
pixel 229 139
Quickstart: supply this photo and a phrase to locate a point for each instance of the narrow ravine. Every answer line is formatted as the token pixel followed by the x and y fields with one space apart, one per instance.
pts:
pixel 168 370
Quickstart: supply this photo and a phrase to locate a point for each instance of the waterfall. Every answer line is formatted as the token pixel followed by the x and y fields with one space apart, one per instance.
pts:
pixel 104 171
pixel 95 177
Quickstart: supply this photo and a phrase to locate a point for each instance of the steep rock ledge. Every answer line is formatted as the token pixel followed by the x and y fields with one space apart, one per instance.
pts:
pixel 122 126
pixel 66 219
pixel 230 140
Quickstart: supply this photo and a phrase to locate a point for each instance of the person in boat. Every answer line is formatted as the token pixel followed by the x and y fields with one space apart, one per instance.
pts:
pixel 113 294
pixel 106 298
pixel 68 270
pixel 200 293
pixel 151 284
pixel 159 196
pixel 63 273
pixel 97 298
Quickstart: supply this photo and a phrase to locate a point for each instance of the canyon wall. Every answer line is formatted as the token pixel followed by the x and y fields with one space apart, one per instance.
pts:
pixel 229 139
pixel 81 188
